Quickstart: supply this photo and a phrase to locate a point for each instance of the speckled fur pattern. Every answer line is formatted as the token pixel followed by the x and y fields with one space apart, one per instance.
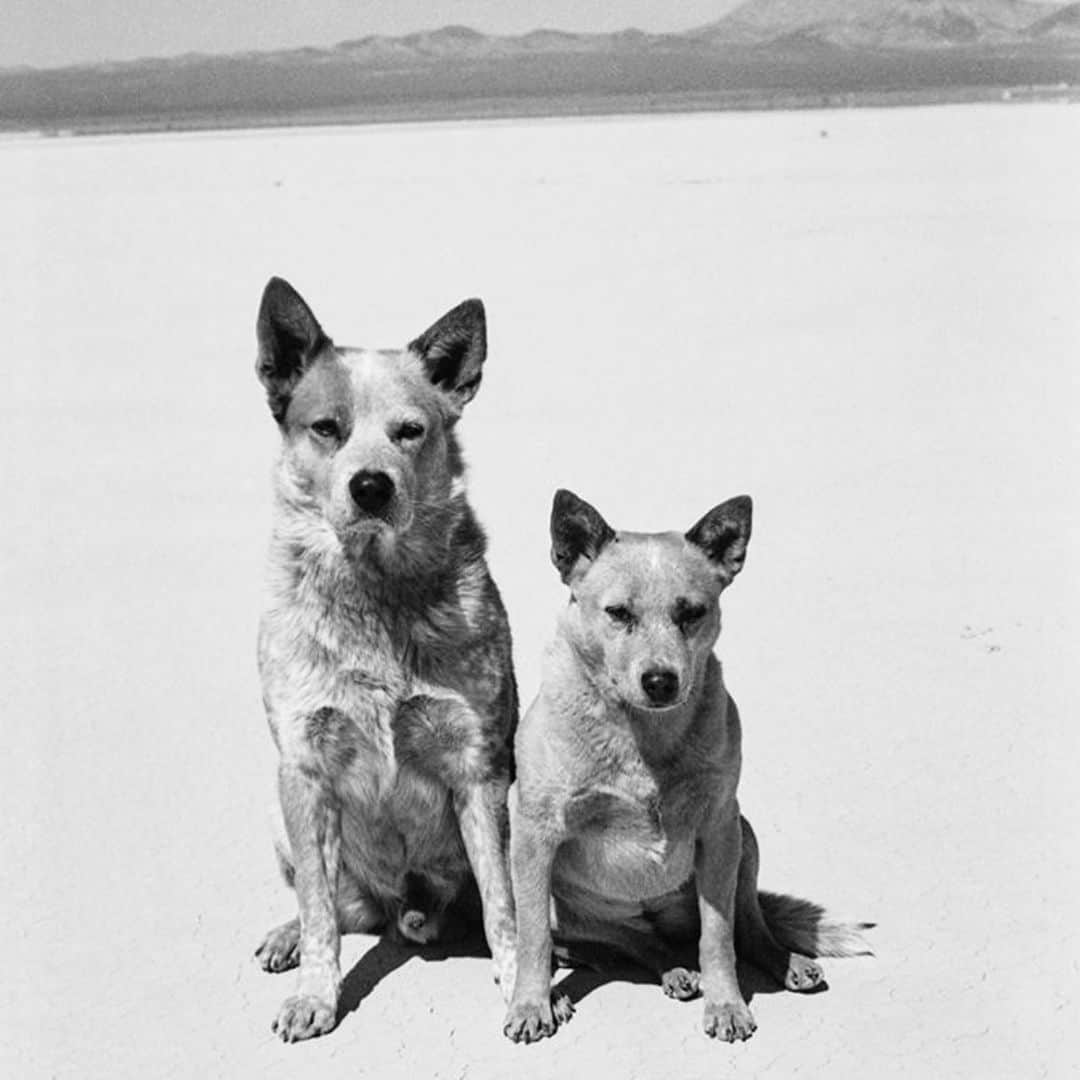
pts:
pixel 384 651
pixel 626 834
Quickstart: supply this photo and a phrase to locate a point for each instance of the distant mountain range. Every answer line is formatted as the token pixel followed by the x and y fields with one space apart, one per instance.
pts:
pixel 763 53
pixel 895 24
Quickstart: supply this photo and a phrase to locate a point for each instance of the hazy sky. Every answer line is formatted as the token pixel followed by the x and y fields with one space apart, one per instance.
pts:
pixel 46 33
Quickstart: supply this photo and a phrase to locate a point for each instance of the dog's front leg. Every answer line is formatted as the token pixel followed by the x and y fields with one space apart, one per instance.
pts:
pixel 719 848
pixel 313 823
pixel 444 736
pixel 482 818
pixel 533 844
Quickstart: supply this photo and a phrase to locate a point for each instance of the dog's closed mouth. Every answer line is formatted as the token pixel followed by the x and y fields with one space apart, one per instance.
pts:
pixel 394 518
pixel 662 710
pixel 369 523
pixel 364 527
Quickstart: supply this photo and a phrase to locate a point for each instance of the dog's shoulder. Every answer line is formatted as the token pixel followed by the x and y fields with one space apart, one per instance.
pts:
pixel 570 744
pixel 458 607
pixel 712 740
pixel 705 771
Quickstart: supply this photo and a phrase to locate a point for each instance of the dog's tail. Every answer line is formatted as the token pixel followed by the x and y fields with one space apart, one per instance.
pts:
pixel 804 927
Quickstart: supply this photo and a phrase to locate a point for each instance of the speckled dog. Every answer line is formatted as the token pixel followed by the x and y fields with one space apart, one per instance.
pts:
pixel 384 650
pixel 624 815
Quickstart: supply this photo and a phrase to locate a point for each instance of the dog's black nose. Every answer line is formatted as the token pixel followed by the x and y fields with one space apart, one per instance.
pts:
pixel 371 491
pixel 660 685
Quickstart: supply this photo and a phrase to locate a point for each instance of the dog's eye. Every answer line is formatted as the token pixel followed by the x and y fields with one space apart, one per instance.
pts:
pixel 410 431
pixel 620 614
pixel 686 617
pixel 326 428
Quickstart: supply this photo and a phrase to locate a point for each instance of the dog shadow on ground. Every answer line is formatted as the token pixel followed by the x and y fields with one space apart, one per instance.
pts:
pixel 390 953
pixel 581 979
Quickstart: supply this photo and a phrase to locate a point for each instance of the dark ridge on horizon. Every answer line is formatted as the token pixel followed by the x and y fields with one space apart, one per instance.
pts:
pixel 793 52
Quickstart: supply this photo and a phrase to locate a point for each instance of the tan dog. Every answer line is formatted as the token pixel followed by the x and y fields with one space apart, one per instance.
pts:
pixel 384 650
pixel 624 816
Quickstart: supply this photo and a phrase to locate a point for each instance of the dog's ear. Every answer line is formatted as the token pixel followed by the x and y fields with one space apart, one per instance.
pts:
pixel 577 532
pixel 723 534
pixel 453 351
pixel 289 338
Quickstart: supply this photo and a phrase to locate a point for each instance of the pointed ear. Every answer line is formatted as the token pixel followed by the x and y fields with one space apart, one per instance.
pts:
pixel 723 534
pixel 289 338
pixel 577 532
pixel 453 351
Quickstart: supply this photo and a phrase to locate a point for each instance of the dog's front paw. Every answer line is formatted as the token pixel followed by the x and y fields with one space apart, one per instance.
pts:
pixel 728 1020
pixel 280 949
pixel 803 975
pixel 680 983
pixel 304 1017
pixel 531 1021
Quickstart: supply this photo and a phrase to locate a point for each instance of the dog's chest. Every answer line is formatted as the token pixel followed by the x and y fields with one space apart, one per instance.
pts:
pixel 632 836
pixel 396 814
pixel 334 690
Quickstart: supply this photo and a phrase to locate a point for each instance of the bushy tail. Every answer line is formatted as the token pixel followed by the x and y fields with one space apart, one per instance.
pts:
pixel 802 926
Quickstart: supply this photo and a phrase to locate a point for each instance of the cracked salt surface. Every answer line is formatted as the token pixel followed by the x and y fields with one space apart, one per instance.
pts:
pixel 874 334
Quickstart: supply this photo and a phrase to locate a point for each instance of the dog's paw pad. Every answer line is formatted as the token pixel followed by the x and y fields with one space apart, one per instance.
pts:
pixel 681 984
pixel 529 1021
pixel 304 1017
pixel 803 975
pixel 729 1022
pixel 280 950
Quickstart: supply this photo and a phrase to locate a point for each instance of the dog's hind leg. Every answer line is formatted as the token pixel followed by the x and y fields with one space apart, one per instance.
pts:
pixel 357 913
pixel 677 920
pixel 658 936
pixel 754 941
pixel 280 949
pixel 606 947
